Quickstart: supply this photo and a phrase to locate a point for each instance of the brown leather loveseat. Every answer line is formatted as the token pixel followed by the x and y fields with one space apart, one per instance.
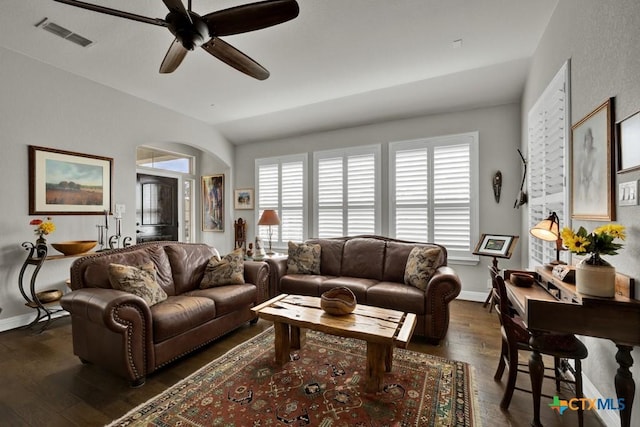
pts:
pixel 119 331
pixel 373 267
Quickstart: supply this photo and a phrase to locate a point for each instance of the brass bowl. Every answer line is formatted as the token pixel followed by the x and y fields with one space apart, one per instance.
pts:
pixel 338 301
pixel 49 296
pixel 523 280
pixel 75 247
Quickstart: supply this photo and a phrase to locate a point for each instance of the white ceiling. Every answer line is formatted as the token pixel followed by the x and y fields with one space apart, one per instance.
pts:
pixel 339 63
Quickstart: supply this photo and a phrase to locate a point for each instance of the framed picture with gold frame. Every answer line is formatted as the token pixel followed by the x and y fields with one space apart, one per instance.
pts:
pixel 213 203
pixel 592 165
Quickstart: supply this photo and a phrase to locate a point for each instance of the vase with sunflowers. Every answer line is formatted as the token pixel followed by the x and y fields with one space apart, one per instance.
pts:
pixel 594 275
pixel 42 229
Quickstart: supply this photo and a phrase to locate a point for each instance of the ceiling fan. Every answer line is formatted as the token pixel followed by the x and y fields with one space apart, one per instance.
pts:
pixel 192 30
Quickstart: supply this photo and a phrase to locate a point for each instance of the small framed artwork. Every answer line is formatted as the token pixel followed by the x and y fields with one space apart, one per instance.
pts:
pixel 213 203
pixel 68 183
pixel 628 133
pixel 591 165
pixel 243 198
pixel 496 245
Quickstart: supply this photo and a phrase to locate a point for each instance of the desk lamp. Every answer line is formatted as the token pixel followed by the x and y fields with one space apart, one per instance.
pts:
pixel 549 230
pixel 269 217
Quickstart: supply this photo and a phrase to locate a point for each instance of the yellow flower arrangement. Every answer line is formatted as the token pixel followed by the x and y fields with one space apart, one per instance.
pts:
pixel 598 242
pixel 43 227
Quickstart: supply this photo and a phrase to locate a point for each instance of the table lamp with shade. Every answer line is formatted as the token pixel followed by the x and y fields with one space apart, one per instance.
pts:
pixel 269 217
pixel 549 230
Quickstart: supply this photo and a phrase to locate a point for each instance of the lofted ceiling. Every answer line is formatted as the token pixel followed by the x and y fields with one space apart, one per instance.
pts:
pixel 339 63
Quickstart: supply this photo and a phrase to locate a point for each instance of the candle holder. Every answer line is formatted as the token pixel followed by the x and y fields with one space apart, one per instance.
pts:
pixel 114 241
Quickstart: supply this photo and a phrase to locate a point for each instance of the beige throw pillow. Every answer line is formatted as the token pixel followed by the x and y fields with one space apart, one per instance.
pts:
pixel 421 265
pixel 140 281
pixel 304 258
pixel 226 271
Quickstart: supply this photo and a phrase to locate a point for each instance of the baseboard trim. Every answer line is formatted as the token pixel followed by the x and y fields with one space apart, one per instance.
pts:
pixel 473 296
pixel 608 417
pixel 24 319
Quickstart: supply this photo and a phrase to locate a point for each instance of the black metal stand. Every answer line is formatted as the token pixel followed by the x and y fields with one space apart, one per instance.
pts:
pixel 36 258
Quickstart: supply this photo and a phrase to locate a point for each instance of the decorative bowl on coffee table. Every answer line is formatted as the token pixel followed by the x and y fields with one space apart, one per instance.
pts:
pixel 338 301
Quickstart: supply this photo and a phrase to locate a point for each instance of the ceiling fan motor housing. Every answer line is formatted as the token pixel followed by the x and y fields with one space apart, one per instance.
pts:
pixel 191 33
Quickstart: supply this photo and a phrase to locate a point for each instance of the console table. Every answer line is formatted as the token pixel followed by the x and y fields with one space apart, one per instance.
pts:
pixel 37 256
pixel 552 305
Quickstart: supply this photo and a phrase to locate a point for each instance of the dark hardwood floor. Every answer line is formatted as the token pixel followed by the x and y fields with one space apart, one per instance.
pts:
pixel 43 384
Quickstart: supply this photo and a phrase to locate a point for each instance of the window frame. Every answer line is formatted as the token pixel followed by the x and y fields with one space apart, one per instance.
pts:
pixel 430 144
pixel 345 153
pixel 539 208
pixel 277 242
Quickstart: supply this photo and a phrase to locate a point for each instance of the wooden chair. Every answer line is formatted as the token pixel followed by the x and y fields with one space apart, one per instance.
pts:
pixel 516 337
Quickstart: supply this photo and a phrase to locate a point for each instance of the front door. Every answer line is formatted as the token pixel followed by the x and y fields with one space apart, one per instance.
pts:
pixel 156 208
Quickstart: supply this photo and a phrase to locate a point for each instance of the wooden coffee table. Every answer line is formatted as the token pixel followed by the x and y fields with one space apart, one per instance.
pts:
pixel 381 328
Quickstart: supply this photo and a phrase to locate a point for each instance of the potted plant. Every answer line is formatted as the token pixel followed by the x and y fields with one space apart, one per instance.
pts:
pixel 594 275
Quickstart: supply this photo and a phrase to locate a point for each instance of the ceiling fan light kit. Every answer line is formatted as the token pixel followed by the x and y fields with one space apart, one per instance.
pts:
pixel 192 30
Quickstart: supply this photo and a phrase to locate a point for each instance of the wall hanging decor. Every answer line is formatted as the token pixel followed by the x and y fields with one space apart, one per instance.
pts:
pixel 592 165
pixel 522 196
pixel 628 137
pixel 67 183
pixel 243 198
pixel 213 203
pixel 496 182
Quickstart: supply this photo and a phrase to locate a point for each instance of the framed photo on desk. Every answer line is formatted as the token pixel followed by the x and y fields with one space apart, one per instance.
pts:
pixel 496 245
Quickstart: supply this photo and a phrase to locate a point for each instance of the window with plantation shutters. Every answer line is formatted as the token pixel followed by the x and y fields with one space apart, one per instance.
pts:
pixel 547 145
pixel 346 186
pixel 433 188
pixel 280 184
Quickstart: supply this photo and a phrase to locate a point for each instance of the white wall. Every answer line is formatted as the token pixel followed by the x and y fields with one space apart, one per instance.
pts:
pixel 41 105
pixel 499 129
pixel 602 40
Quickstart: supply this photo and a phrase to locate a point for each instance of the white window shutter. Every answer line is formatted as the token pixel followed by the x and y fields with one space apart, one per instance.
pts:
pixel 547 160
pixel 432 193
pixel 452 197
pixel 347 191
pixel 280 186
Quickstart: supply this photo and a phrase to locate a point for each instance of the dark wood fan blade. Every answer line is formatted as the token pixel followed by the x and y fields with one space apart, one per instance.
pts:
pixel 173 58
pixel 250 17
pixel 176 6
pixel 115 12
pixel 236 59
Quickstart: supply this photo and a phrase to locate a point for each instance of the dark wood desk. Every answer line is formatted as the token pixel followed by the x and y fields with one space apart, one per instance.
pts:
pixel 616 319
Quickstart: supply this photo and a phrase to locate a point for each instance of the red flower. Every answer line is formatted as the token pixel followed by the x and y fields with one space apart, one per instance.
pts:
pixel 35 222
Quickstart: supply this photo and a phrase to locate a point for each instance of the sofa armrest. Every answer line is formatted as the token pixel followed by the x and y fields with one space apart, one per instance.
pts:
pixel 444 284
pixel 99 305
pixel 278 269
pixel 443 287
pixel 257 272
pixel 112 328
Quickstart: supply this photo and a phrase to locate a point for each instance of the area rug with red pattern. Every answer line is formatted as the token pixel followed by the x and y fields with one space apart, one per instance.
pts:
pixel 322 385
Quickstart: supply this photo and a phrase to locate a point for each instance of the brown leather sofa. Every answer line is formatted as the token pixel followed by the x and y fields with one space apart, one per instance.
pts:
pixel 373 268
pixel 120 332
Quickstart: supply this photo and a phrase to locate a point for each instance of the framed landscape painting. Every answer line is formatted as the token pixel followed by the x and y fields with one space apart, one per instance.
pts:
pixel 592 196
pixel 68 183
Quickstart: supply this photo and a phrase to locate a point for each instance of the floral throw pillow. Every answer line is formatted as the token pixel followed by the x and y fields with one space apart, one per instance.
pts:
pixel 226 271
pixel 140 281
pixel 304 258
pixel 421 265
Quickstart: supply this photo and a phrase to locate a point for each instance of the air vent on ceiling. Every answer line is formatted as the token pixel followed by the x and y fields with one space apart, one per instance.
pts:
pixel 60 31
